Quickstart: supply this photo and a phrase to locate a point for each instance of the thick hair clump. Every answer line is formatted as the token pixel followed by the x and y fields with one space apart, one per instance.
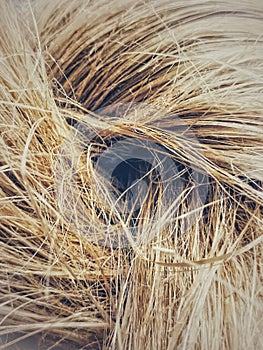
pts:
pixel 170 93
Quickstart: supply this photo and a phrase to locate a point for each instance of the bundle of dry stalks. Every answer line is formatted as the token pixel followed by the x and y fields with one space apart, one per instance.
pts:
pixel 78 271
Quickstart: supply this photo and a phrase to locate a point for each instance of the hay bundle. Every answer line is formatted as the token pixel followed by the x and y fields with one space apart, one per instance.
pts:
pixel 179 81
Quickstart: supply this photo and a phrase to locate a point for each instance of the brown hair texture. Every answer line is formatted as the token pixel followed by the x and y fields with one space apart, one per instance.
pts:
pixel 131 174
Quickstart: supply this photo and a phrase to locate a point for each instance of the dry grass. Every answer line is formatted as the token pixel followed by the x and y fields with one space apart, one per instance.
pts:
pixel 174 69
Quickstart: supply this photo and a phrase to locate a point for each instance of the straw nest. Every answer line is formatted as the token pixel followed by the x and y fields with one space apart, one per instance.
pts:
pixel 79 270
